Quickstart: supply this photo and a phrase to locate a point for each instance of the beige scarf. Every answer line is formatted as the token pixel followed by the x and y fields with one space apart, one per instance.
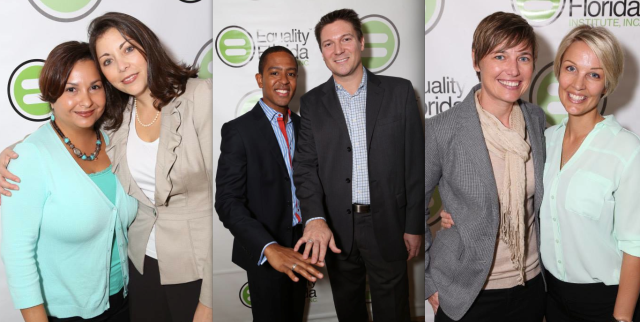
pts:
pixel 510 145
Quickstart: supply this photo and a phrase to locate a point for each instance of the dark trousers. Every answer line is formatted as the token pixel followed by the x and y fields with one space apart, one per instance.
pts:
pixel 388 281
pixel 153 302
pixel 118 311
pixel 522 303
pixel 277 298
pixel 568 302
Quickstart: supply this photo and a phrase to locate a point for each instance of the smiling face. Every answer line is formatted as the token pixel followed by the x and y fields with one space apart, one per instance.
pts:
pixel 341 48
pixel 82 101
pixel 124 66
pixel 581 80
pixel 505 74
pixel 278 80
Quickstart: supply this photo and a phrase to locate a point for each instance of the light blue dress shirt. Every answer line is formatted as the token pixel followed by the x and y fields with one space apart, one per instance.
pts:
pixel 287 155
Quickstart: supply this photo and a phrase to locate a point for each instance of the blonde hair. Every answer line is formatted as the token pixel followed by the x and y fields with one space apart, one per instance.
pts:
pixel 606 47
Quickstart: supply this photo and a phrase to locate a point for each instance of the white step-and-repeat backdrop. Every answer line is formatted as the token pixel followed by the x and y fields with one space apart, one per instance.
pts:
pixel 393 40
pixel 29 29
pixel 449 73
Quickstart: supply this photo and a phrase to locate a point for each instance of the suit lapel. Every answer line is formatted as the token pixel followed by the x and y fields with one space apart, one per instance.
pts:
pixel 332 104
pixel 265 131
pixel 375 94
pixel 474 142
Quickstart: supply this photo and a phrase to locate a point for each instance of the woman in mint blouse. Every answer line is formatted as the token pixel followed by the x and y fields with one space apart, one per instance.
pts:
pixel 64 233
pixel 590 220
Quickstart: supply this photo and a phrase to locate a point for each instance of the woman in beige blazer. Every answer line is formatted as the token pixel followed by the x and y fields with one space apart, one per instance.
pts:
pixel 160 123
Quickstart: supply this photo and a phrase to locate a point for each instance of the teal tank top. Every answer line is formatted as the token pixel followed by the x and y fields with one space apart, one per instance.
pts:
pixel 106 181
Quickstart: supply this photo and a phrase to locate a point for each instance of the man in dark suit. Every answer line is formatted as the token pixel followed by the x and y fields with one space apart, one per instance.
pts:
pixel 255 197
pixel 359 175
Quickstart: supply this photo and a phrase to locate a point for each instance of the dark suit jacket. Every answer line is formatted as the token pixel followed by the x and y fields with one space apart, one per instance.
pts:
pixel 395 143
pixel 458 260
pixel 253 188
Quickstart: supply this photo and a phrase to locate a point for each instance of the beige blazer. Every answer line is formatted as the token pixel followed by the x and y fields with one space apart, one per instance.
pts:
pixel 183 206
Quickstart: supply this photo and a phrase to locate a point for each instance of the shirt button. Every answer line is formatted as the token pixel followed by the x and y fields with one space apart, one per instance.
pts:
pixel 349 211
pixel 553 197
pixel 554 219
pixel 348 149
pixel 348 180
pixel 557 241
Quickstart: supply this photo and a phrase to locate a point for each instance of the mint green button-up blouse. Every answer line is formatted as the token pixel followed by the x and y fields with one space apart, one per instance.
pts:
pixel 590 212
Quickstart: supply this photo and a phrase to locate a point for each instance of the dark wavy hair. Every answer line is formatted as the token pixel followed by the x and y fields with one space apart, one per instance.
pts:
pixel 166 79
pixel 57 68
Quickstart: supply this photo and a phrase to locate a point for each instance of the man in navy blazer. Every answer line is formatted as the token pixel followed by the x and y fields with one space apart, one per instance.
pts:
pixel 359 174
pixel 255 196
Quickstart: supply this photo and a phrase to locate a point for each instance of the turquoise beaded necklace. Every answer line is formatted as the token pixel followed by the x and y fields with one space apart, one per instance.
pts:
pixel 76 151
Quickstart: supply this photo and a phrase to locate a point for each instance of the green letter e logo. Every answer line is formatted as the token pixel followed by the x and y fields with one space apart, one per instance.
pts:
pixel 234 46
pixel 24 93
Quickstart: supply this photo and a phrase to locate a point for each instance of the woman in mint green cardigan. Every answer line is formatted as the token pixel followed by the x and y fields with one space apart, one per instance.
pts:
pixel 64 233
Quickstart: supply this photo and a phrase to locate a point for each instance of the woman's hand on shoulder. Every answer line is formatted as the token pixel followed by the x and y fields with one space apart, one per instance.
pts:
pixel 446 221
pixel 5 157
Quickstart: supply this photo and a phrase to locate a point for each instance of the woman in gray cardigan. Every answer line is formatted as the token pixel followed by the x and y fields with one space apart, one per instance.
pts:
pixel 486 155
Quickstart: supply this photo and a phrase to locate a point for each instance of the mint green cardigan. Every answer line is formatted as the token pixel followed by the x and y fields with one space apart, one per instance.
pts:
pixel 57 231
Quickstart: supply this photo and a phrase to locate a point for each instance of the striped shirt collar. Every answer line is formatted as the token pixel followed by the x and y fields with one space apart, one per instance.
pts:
pixel 271 113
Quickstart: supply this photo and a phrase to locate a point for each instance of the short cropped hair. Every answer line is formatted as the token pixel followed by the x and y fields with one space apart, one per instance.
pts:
pixel 502 29
pixel 348 15
pixel 272 50
pixel 606 47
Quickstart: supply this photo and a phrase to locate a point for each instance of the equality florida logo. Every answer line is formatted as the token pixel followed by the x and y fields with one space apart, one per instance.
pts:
pixel 24 93
pixel 65 11
pixel 606 13
pixel 432 12
pixel 441 94
pixel 382 43
pixel 544 93
pixel 204 60
pixel 237 46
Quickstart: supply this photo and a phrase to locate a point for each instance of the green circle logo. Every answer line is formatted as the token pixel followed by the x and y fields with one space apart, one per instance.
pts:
pixel 538 12
pixel 24 93
pixel 432 12
pixel 65 11
pixel 544 93
pixel 382 43
pixel 235 46
pixel 248 101
pixel 204 60
pixel 245 297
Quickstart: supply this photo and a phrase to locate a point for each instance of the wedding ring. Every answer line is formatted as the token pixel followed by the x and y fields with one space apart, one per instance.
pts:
pixel 293 268
pixel 310 241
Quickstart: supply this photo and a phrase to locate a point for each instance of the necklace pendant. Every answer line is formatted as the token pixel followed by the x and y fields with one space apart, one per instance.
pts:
pixel 77 152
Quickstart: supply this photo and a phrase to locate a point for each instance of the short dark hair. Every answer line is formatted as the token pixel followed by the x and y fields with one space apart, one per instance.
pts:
pixel 348 15
pixel 502 27
pixel 272 50
pixel 166 79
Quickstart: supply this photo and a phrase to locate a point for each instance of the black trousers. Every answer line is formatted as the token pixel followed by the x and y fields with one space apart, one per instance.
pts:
pixel 150 301
pixel 522 303
pixel 568 302
pixel 118 311
pixel 277 299
pixel 388 281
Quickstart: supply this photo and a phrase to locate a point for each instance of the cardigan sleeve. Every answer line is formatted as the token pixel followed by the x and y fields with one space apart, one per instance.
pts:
pixel 21 218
